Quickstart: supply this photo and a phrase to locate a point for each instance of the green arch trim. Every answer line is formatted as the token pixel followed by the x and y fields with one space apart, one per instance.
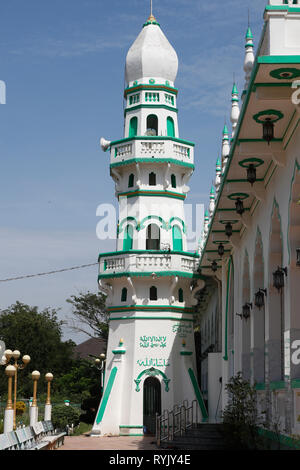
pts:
pixel 268 112
pixel 164 225
pixel 296 168
pixel 277 73
pixel 254 161
pixel 235 196
pixel 230 265
pixel 178 220
pixel 128 219
pixel 106 394
pixel 151 372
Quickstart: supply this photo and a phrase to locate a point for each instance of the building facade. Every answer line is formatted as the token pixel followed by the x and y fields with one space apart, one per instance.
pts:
pixel 250 312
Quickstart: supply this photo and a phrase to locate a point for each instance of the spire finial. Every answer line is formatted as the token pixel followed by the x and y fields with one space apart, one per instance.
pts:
pixel 151 12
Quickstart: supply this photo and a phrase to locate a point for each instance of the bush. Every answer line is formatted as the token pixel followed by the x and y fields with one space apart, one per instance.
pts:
pixel 20 408
pixel 63 415
pixel 240 419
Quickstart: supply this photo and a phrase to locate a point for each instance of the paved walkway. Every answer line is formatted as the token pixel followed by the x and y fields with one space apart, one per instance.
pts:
pixel 85 442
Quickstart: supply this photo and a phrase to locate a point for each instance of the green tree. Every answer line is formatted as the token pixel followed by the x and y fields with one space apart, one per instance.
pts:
pixel 90 310
pixel 39 334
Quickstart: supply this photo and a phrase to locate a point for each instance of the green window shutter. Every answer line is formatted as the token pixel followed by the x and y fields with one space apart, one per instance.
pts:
pixel 128 238
pixel 133 127
pixel 177 238
pixel 170 127
pixel 173 181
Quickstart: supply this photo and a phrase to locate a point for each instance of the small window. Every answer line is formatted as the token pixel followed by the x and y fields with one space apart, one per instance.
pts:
pixel 124 295
pixel 170 127
pixel 131 181
pixel 173 181
pixel 152 179
pixel 180 295
pixel 153 293
pixel 152 125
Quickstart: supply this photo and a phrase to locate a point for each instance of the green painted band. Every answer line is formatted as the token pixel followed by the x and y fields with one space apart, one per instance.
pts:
pixel 296 383
pixel 186 353
pixel 131 426
pixel 150 106
pixel 149 274
pixel 146 193
pixel 277 385
pixel 119 351
pixel 280 59
pixel 290 9
pixel 150 160
pixel 141 308
pixel 154 138
pixel 151 252
pixel 151 318
pixel 198 394
pixel 143 86
pixel 106 394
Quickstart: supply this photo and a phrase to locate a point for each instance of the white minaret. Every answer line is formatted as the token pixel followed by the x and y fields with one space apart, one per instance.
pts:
pixel 151 280
pixel 225 148
pixel 235 109
pixel 249 58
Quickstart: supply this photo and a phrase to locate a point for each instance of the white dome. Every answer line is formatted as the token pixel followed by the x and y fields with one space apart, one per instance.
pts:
pixel 151 55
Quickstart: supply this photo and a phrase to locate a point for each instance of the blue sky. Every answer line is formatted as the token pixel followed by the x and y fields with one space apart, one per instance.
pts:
pixel 63 65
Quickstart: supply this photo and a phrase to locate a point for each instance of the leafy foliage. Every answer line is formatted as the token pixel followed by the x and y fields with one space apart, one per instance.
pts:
pixel 37 333
pixel 240 418
pixel 90 310
pixel 20 408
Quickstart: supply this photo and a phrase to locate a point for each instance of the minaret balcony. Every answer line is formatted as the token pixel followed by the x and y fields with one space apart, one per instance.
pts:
pixel 147 148
pixel 147 262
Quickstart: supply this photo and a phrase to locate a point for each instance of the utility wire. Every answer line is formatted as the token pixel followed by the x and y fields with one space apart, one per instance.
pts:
pixel 47 273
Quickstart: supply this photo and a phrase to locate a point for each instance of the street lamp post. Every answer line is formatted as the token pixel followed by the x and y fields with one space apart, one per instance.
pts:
pixel 34 408
pixel 48 406
pixel 9 410
pixel 26 359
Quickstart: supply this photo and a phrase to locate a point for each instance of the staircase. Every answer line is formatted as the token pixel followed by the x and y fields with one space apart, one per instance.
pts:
pixel 199 437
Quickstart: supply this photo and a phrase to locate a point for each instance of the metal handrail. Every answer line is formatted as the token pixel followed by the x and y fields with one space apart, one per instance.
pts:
pixel 177 421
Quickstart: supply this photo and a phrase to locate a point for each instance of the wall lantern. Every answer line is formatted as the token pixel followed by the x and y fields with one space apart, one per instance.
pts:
pixel 239 206
pixel 214 266
pixel 298 256
pixel 268 130
pixel 260 298
pixel 246 310
pixel 278 278
pixel 228 229
pixel 221 249
pixel 251 174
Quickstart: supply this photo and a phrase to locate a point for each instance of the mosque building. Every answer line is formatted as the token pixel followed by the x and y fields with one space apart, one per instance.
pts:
pixel 241 288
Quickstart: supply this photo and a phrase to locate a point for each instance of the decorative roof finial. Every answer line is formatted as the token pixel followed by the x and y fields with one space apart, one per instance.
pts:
pixel 249 55
pixel 235 109
pixel 151 19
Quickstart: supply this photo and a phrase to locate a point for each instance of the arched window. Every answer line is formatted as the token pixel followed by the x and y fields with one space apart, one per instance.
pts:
pixel 152 125
pixel 124 295
pixel 153 237
pixel 133 124
pixel 170 127
pixel 177 238
pixel 152 179
pixel 153 293
pixel 173 181
pixel 128 238
pixel 131 181
pixel 180 295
